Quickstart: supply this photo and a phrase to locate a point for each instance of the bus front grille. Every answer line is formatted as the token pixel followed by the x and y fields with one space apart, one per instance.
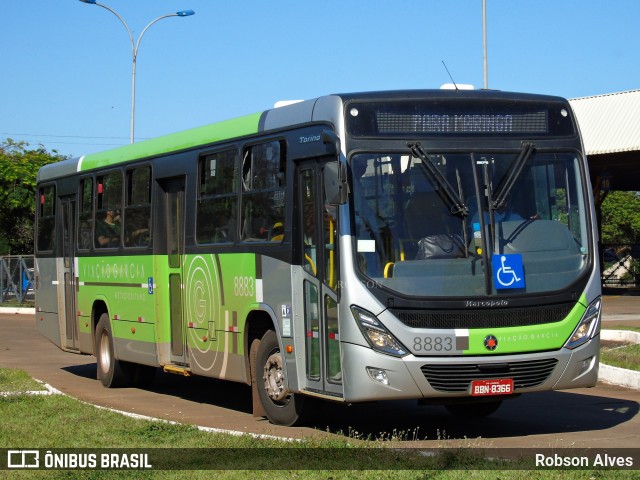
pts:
pixel 458 378
pixel 494 318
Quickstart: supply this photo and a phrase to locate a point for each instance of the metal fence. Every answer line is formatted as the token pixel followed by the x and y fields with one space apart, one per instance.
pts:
pixel 16 279
pixel 620 268
pixel 621 265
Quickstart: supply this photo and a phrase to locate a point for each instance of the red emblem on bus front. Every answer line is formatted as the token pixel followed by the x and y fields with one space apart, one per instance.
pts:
pixel 490 343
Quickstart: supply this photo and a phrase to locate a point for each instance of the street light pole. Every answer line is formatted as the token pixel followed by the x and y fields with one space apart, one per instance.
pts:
pixel 484 43
pixel 134 51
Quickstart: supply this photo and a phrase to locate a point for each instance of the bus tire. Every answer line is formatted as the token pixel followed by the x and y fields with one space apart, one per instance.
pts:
pixel 281 407
pixel 111 372
pixel 473 410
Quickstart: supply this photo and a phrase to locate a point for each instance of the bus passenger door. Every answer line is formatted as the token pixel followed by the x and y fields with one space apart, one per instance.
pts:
pixel 170 243
pixel 67 218
pixel 319 283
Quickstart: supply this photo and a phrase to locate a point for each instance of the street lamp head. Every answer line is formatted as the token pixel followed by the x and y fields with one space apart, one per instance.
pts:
pixel 134 49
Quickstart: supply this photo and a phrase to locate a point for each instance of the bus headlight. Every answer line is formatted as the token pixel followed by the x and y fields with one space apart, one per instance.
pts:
pixel 587 327
pixel 376 333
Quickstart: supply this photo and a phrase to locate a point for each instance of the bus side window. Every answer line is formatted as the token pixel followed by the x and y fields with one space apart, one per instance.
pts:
pixel 85 230
pixel 217 198
pixel 46 218
pixel 137 212
pixel 107 212
pixel 263 192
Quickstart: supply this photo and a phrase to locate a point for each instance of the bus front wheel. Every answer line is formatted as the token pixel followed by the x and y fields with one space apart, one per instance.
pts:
pixel 111 372
pixel 281 406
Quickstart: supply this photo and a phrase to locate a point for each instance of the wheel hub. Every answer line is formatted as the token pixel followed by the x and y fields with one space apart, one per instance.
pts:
pixel 274 378
pixel 105 353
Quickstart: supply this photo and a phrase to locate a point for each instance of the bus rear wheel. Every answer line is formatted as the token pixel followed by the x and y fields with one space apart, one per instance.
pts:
pixel 111 372
pixel 281 406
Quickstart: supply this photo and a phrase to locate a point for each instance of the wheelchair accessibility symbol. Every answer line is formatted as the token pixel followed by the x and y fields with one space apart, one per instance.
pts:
pixel 508 271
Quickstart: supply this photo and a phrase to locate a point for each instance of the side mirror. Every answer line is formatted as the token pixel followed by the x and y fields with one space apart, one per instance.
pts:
pixel 335 183
pixel 335 173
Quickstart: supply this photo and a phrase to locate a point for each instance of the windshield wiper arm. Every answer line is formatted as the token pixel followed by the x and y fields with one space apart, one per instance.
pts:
pixel 456 204
pixel 512 175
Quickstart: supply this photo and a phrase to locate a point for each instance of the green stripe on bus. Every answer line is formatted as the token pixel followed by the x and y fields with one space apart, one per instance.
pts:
pixel 533 338
pixel 215 132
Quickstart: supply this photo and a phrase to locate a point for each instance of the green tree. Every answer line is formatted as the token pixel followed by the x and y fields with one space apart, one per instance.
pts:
pixel 621 218
pixel 19 167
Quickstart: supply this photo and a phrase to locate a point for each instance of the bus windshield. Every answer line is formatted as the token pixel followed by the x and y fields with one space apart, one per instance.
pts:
pixel 432 224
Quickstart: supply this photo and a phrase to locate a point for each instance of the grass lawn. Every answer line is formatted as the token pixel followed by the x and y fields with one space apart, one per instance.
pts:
pixel 61 422
pixel 621 355
pixel 17 381
pixel 627 356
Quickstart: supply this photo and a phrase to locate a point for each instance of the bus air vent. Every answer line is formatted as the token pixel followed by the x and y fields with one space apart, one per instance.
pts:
pixel 483 318
pixel 457 378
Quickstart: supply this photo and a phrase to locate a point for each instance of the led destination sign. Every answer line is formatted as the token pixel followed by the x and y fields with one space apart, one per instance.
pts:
pixel 473 118
pixel 469 123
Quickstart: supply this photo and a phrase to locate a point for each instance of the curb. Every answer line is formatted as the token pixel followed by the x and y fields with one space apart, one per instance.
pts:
pixel 620 335
pixel 236 433
pixel 22 310
pixel 616 375
pixel 619 376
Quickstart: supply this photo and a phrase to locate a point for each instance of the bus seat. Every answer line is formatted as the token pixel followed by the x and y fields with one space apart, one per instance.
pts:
pixel 535 236
pixel 433 230
pixel 427 214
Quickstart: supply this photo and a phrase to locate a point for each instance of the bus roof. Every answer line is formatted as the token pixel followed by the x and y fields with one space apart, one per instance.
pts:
pixel 326 109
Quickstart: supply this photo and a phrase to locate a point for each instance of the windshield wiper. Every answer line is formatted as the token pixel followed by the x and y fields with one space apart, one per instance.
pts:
pixel 456 204
pixel 514 173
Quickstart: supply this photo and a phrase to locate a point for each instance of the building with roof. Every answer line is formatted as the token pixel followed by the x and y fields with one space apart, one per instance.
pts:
pixel 610 126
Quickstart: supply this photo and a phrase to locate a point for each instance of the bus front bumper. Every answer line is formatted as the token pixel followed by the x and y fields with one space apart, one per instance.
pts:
pixel 374 376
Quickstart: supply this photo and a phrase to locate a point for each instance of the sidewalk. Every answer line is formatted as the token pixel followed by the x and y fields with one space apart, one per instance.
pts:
pixel 621 308
pixel 23 310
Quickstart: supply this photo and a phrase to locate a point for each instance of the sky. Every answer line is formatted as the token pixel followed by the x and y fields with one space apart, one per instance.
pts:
pixel 66 77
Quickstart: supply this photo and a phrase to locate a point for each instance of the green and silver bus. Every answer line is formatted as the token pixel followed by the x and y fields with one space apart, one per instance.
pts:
pixel 436 245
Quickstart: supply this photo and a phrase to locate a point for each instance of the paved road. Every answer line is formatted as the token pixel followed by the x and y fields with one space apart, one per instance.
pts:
pixel 601 417
pixel 621 310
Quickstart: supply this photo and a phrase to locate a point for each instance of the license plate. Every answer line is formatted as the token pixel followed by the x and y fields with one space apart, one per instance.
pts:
pixel 501 386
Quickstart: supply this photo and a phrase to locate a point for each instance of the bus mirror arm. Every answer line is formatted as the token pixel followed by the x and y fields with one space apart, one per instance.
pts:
pixel 330 138
pixel 335 173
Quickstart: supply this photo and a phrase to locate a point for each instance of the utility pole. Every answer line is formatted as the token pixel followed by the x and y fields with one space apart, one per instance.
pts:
pixel 484 42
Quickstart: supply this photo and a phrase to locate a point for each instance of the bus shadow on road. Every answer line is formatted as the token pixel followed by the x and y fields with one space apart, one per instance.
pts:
pixel 220 393
pixel 530 414
pixel 86 370
pixel 202 390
